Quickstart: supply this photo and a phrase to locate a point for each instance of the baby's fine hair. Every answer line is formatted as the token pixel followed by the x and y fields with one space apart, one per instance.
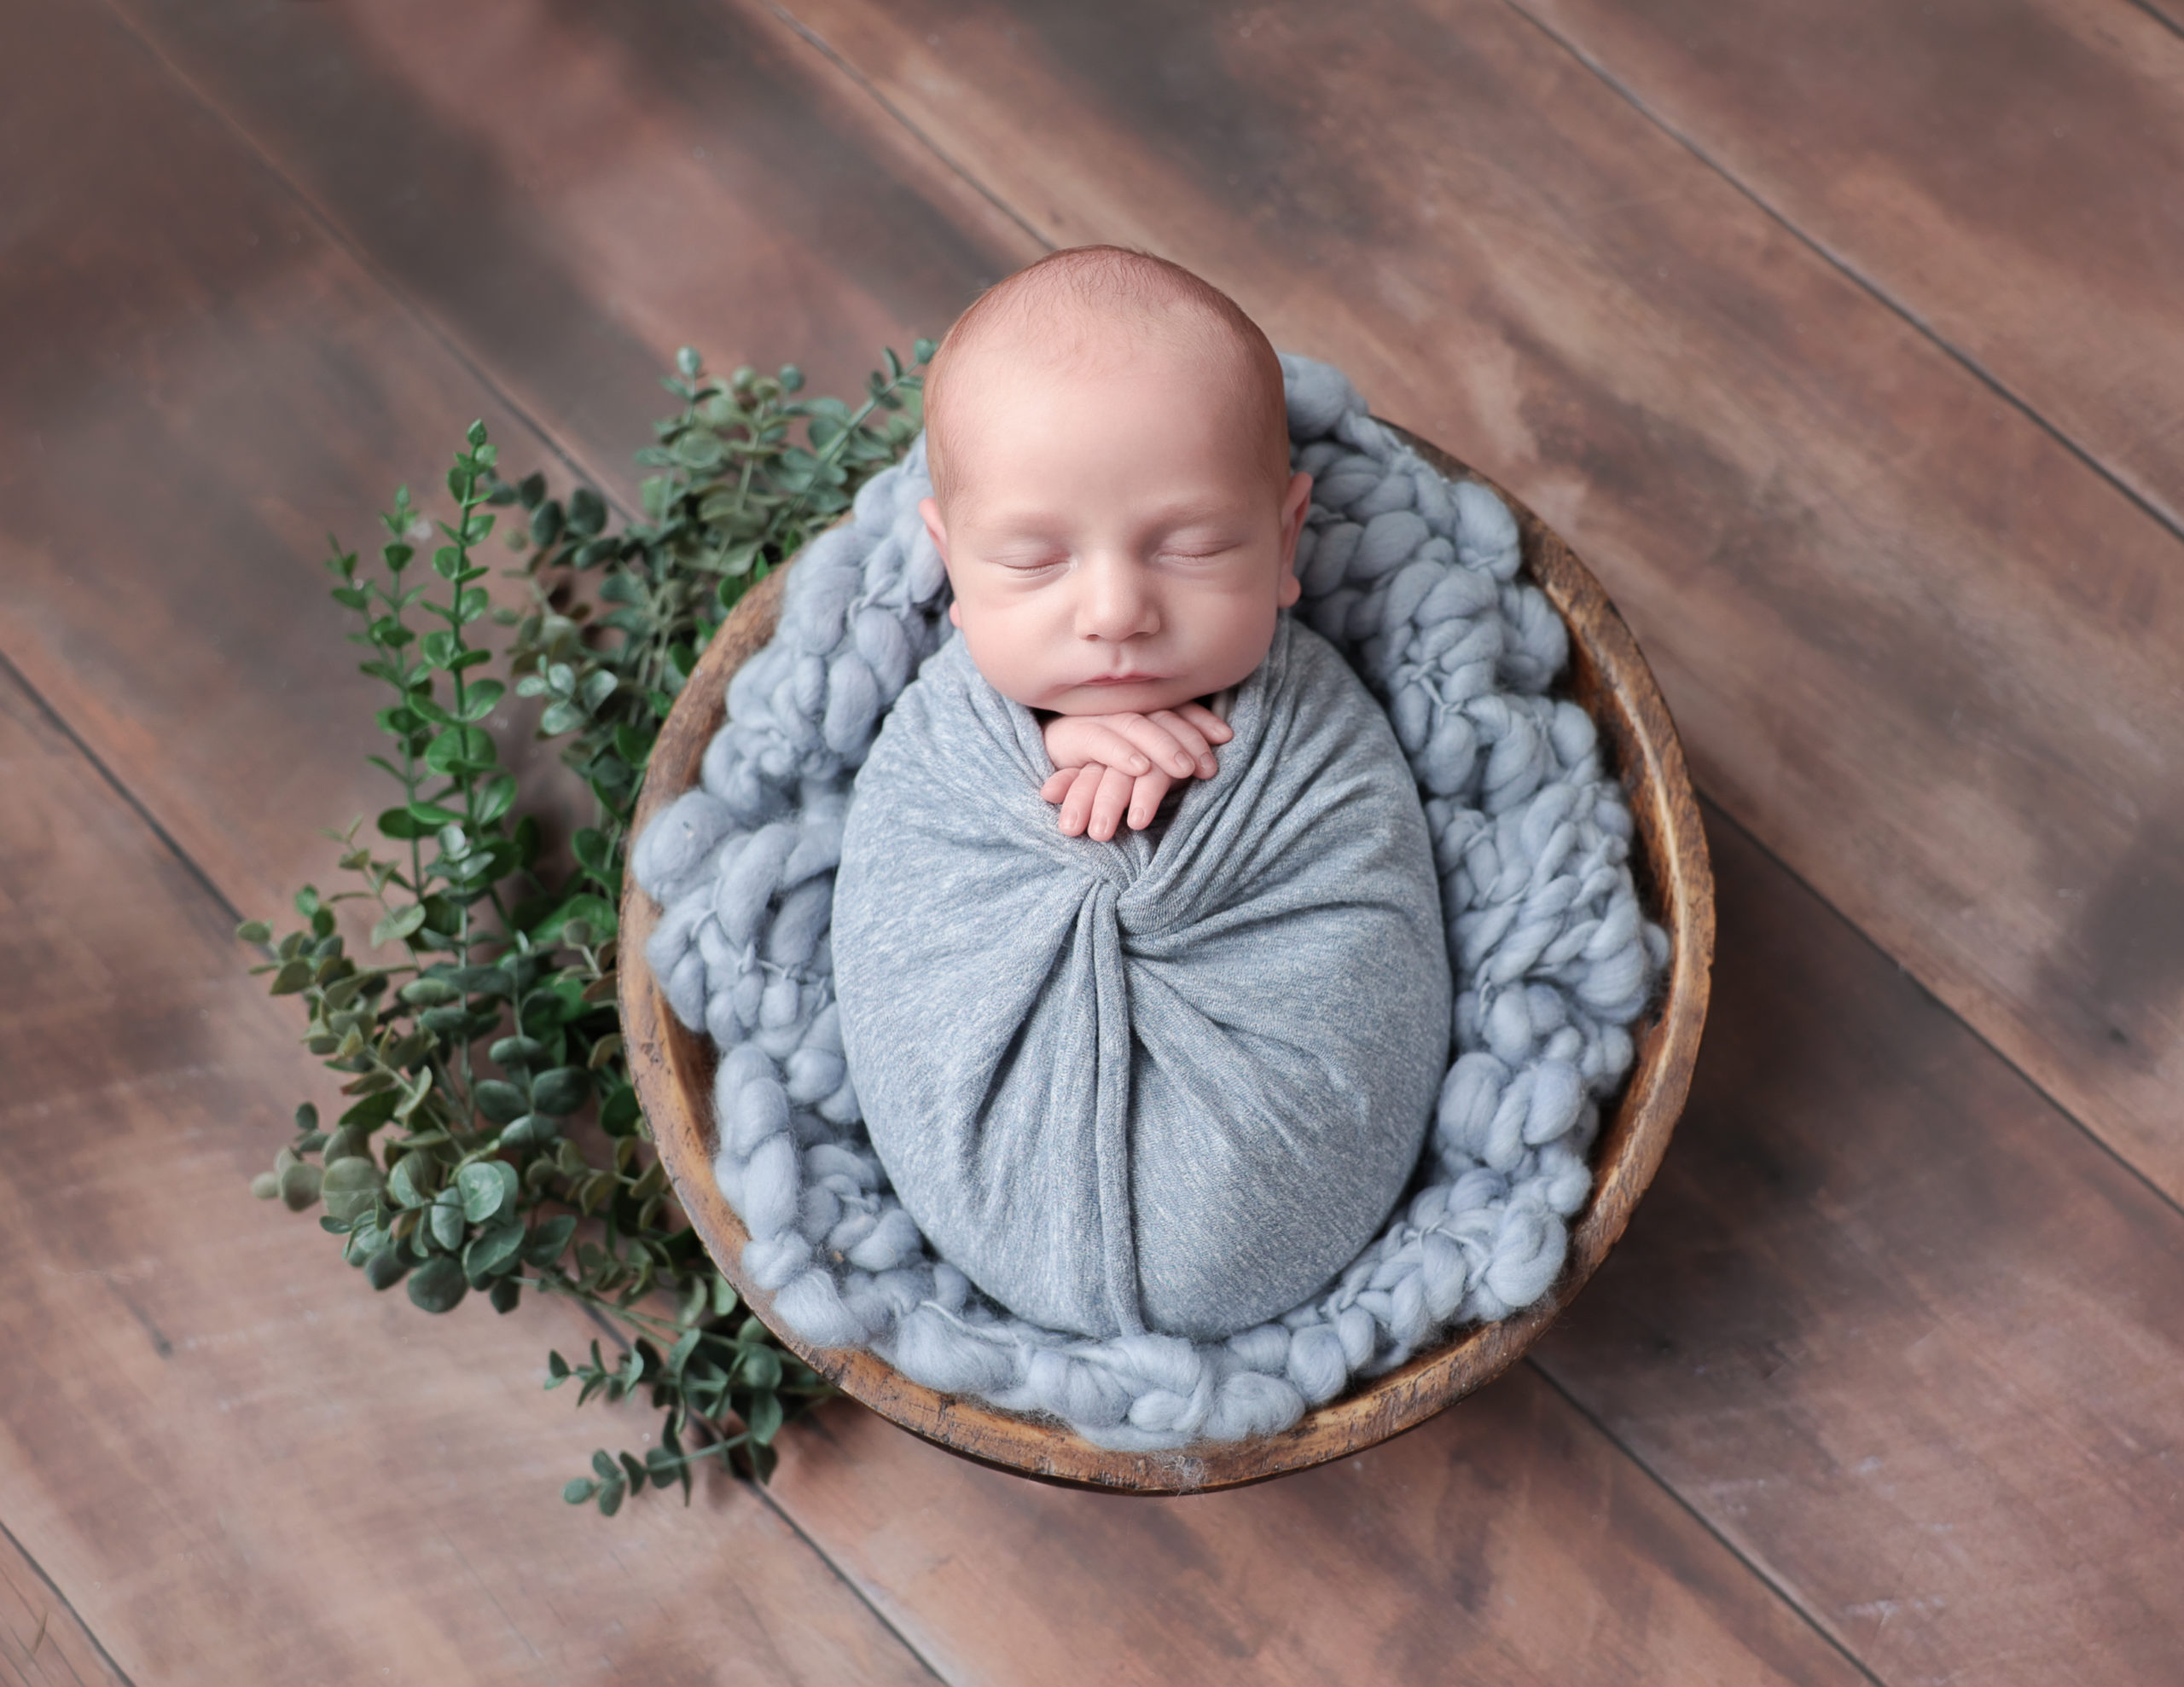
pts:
pixel 1135 293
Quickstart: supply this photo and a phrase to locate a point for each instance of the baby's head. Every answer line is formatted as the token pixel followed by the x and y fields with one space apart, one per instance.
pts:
pixel 1112 498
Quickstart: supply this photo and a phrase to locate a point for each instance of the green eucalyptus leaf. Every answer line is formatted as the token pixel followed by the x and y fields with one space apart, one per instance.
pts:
pixel 400 924
pixel 411 1181
pixel 560 716
pixel 499 1101
pixel 619 1113
pixel 558 1092
pixel 293 976
pixel 299 1186
pixel 498 797
pixel 760 1367
pixel 506 1295
pixel 352 1187
pixel 763 1417
pixel 550 1239
pixel 493 1251
pixel 385 1268
pixel 373 1110
pixel 486 1187
pixel 517 1051
pixel 595 912
pixel 265 1185
pixel 445 1218
pixel 532 1130
pixel 418 1088
pixel 439 1284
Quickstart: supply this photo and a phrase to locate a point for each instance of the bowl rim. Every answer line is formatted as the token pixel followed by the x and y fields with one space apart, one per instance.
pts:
pixel 673 1067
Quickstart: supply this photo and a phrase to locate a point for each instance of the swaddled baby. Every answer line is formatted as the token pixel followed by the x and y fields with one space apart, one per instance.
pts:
pixel 1146 1008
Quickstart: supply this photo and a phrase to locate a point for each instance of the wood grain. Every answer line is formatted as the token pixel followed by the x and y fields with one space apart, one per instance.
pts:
pixel 1853 578
pixel 673 1070
pixel 1966 158
pixel 43 1644
pixel 1505 1542
pixel 1923 650
pixel 1903 1334
pixel 216 380
pixel 568 192
pixel 239 1463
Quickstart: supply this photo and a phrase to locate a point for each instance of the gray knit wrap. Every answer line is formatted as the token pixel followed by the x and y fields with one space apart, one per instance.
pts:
pixel 1127 1087
pixel 1415 579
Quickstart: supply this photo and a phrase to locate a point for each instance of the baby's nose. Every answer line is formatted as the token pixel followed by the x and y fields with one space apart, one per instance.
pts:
pixel 1114 601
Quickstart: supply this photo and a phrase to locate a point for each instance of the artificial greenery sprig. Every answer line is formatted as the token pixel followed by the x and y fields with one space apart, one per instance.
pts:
pixel 492 1140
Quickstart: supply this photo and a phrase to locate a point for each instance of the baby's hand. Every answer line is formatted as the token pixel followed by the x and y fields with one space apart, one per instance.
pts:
pixel 1106 766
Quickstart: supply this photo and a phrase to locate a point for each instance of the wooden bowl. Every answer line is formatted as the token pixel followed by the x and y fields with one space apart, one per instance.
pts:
pixel 673 1068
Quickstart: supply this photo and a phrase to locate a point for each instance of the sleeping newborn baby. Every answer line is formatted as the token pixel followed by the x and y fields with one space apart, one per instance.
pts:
pixel 1137 940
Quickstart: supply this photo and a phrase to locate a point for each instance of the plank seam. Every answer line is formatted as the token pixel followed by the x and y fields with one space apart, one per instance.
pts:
pixel 97 1645
pixel 1715 812
pixel 1843 267
pixel 1764 1577
pixel 766 1499
pixel 2157 15
pixel 358 254
pixel 826 50
pixel 53 718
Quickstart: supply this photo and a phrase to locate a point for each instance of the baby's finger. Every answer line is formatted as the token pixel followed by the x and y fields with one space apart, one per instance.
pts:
pixel 1190 739
pixel 1077 802
pixel 1144 794
pixel 1058 784
pixel 1216 730
pixel 1111 748
pixel 1108 805
pixel 1167 746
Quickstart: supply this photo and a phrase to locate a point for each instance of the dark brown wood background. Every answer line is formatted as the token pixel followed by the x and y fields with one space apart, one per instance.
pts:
pixel 1845 341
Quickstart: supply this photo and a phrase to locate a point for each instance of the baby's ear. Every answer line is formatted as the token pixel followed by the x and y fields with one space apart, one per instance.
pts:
pixel 1295 500
pixel 929 511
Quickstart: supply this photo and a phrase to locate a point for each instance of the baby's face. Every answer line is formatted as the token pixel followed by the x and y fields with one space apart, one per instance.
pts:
pixel 1115 540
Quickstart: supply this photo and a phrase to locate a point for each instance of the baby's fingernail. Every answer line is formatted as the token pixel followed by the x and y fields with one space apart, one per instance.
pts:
pixel 1138 764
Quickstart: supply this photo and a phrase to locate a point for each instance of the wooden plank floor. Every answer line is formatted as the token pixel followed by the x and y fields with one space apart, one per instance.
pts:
pixel 1843 340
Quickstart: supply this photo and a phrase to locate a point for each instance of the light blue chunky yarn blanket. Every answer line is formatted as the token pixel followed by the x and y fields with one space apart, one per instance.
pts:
pixel 1415 579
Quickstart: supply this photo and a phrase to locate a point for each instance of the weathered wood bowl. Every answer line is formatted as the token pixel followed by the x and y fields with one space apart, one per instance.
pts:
pixel 673 1069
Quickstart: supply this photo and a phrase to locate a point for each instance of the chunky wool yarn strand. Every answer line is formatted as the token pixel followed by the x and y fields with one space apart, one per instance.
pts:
pixel 1416 580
